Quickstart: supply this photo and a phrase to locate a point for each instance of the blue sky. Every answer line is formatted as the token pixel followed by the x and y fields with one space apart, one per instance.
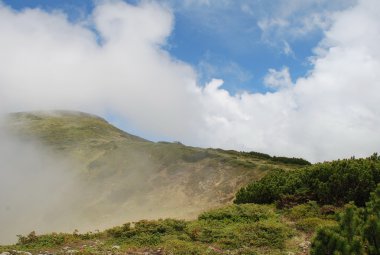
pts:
pixel 223 39
pixel 272 76
pixel 232 46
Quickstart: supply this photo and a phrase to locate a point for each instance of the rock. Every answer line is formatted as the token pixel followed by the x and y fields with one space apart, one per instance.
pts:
pixel 116 247
pixel 304 245
pixel 158 251
pixel 72 251
pixel 5 253
pixel 215 249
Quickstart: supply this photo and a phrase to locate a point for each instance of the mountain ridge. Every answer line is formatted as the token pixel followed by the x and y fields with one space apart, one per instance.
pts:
pixel 122 177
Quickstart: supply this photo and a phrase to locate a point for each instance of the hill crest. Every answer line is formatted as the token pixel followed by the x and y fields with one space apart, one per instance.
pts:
pixel 120 177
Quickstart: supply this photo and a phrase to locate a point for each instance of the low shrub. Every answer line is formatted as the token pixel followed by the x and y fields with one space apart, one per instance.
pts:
pixel 307 210
pixel 180 247
pixel 238 213
pixel 47 240
pixel 358 231
pixel 239 226
pixel 335 183
pixel 311 224
pixel 270 233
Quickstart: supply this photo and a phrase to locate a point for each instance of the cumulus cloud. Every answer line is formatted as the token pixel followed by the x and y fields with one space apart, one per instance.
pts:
pixel 47 62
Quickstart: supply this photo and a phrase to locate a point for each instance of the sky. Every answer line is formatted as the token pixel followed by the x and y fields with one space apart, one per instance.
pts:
pixel 292 78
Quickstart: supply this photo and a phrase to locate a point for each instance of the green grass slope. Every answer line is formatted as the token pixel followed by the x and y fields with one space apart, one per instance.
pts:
pixel 127 178
pixel 233 229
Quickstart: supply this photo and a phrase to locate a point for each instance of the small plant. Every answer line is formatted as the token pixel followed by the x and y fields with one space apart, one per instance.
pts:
pixel 47 240
pixel 30 238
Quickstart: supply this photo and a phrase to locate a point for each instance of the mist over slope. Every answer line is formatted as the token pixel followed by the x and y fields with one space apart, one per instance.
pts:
pixel 83 173
pixel 37 188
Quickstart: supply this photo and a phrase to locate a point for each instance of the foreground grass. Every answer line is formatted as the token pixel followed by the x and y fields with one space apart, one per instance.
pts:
pixel 233 229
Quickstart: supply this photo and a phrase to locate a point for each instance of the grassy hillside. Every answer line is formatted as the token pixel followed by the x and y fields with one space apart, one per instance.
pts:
pixel 126 178
pixel 234 229
pixel 297 227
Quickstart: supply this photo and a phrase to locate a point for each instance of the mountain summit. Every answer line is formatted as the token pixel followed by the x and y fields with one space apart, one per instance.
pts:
pixel 121 177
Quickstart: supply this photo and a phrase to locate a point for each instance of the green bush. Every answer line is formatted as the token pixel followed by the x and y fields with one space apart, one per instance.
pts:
pixel 313 223
pixel 307 210
pixel 234 229
pixel 179 247
pixel 342 239
pixel 336 183
pixel 358 231
pixel 145 239
pixel 47 240
pixel 239 226
pixel 269 233
pixel 238 213
pixel 153 227
pixel 294 161
pixel 208 231
pixel 285 160
pixel 271 187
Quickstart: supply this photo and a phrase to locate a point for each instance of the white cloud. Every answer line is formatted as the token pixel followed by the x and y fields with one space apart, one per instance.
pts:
pixel 278 79
pixel 296 19
pixel 208 3
pixel 246 8
pixel 206 70
pixel 267 24
pixel 48 63
pixel 287 50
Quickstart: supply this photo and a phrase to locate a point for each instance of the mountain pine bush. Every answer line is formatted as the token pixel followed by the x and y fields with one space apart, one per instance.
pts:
pixel 358 231
pixel 335 183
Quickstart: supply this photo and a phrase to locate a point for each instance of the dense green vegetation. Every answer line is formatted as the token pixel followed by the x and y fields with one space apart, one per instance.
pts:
pixel 337 182
pixel 259 155
pixel 230 227
pixel 331 185
pixel 358 231
pixel 233 229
